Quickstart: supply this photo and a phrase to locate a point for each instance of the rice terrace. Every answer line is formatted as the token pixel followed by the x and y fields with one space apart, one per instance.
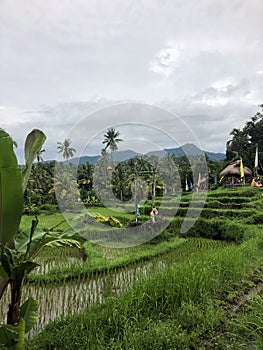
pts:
pixel 79 274
pixel 131 175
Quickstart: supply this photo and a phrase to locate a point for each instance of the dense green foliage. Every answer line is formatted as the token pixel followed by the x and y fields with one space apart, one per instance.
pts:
pixel 244 142
pixel 151 173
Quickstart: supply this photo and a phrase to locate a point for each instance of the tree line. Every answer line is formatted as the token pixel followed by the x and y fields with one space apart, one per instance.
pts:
pixel 39 190
pixel 245 141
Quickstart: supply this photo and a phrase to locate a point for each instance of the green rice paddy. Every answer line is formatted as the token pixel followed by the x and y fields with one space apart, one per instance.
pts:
pixel 179 291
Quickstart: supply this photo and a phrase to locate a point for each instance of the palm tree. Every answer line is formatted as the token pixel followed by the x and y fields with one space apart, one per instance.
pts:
pixel 111 139
pixel 39 155
pixel 64 147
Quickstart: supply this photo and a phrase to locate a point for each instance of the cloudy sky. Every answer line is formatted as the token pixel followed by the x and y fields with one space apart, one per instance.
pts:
pixel 61 60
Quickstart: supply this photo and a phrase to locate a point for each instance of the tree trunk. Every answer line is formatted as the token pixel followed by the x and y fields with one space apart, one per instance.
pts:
pixel 13 313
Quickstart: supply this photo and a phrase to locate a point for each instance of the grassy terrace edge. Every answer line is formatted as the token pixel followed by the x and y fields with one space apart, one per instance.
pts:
pixel 164 311
pixel 97 263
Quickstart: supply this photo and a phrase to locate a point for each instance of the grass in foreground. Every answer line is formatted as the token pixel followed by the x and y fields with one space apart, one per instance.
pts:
pixel 179 308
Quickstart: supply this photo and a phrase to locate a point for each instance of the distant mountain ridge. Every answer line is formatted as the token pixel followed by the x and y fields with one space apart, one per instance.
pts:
pixel 188 149
pixel 191 149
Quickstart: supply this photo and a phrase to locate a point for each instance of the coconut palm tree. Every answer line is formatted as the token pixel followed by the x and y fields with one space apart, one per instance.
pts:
pixel 64 147
pixel 39 155
pixel 111 139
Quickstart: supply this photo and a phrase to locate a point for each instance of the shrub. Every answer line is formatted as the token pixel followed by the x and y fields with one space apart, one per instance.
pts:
pixel 49 208
pixel 213 204
pixel 217 229
pixel 255 219
pixel 31 209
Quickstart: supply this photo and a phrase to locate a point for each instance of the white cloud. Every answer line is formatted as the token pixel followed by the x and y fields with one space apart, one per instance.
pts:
pixel 223 85
pixel 165 61
pixel 213 101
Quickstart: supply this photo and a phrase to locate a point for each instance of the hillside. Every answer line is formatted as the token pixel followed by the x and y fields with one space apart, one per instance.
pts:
pixel 188 149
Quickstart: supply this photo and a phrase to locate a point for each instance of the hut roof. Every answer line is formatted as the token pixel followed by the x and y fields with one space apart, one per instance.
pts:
pixel 234 169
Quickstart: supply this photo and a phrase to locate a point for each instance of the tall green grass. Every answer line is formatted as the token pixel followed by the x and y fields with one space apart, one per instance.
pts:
pixel 175 309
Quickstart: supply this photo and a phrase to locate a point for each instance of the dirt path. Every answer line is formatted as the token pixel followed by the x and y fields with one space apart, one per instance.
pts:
pixel 232 304
pixel 255 287
pixel 246 298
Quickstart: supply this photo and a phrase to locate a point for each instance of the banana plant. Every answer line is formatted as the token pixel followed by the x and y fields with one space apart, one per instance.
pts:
pixel 19 249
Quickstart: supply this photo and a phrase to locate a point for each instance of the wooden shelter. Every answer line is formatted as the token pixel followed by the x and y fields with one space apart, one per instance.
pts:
pixel 234 170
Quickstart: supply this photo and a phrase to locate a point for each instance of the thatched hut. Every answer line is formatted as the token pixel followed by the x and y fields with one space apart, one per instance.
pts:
pixel 234 170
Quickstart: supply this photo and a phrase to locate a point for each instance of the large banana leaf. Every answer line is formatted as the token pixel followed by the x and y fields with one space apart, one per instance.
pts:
pixel 20 270
pixel 7 155
pixel 33 144
pixel 11 194
pixel 20 345
pixel 40 239
pixel 8 336
pixel 13 337
pixel 3 284
pixel 28 312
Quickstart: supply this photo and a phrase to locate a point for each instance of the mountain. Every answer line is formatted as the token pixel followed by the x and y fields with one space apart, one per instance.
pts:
pixel 215 156
pixel 124 155
pixel 117 156
pixel 85 159
pixel 188 149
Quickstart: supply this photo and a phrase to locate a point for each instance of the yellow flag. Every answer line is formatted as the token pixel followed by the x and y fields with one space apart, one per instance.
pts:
pixel 241 169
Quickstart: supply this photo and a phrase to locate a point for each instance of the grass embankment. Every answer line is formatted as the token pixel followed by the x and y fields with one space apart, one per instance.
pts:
pixel 180 308
pixel 100 259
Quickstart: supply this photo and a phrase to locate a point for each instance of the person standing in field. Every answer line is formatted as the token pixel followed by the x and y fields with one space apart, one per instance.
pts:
pixel 153 214
pixel 137 214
